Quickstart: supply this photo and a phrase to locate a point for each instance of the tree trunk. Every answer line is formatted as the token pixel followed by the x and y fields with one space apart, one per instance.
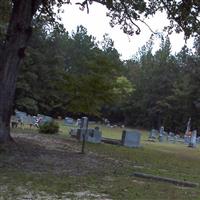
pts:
pixel 11 54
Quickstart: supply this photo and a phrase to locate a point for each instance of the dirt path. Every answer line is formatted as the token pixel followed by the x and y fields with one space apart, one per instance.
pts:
pixel 51 154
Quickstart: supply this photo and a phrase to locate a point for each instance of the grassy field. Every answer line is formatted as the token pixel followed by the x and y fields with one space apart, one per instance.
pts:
pixel 42 166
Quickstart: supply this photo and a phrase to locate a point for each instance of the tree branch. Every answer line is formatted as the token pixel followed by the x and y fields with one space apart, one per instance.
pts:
pixel 147 26
pixel 128 15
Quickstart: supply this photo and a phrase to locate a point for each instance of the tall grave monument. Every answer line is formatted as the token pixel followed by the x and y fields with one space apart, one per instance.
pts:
pixel 187 135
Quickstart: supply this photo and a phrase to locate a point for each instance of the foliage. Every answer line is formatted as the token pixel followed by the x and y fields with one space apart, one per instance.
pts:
pixel 123 87
pixel 40 75
pixel 49 127
pixel 53 81
pixel 76 76
pixel 90 78
pixel 184 16
pixel 5 9
pixel 165 89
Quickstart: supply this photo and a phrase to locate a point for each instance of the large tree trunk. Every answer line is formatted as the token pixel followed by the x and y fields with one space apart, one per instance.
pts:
pixel 11 54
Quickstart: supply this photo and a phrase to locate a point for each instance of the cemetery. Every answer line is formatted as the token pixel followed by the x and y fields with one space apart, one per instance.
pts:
pixel 150 159
pixel 80 130
pixel 109 116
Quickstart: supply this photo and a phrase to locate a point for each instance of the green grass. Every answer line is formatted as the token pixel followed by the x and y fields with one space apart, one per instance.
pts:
pixel 114 177
pixel 114 133
pixel 115 187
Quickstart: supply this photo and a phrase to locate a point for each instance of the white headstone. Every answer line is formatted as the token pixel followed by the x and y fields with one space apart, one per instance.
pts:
pixel 161 134
pixel 193 139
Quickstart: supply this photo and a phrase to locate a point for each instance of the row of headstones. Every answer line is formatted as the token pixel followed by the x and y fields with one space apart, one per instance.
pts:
pixel 71 121
pixel 129 138
pixel 24 118
pixel 192 140
pixel 162 136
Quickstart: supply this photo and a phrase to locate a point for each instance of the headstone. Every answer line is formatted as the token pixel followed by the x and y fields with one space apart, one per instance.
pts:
pixel 180 139
pixel 83 128
pixel 188 126
pixel 30 120
pixel 198 140
pixel 19 113
pixel 21 116
pixel 43 118
pixel 94 135
pixel 170 137
pixel 27 120
pixel 131 138
pixel 161 134
pixel 78 123
pixel 75 132
pixel 175 139
pixel 188 133
pixel 80 132
pixel 84 123
pixel 171 134
pixel 68 121
pixel 153 134
pixel 193 139
pixel 187 138
pixel 85 133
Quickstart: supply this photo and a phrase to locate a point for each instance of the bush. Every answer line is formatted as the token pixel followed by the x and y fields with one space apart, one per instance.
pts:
pixel 49 128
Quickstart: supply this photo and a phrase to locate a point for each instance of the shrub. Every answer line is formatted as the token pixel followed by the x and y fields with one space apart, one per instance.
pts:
pixel 49 127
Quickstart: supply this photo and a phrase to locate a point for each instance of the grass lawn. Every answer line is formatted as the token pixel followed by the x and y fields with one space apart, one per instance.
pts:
pixel 42 166
pixel 114 133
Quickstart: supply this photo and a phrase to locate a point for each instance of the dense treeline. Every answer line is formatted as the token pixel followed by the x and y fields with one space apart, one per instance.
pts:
pixel 166 88
pixel 69 74
pixel 74 74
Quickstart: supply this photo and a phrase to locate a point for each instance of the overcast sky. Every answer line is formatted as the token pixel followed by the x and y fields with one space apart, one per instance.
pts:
pixel 97 25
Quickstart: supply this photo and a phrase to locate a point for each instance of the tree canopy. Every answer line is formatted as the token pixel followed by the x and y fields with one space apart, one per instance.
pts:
pixel 63 73
pixel 17 19
pixel 78 76
pixel 165 88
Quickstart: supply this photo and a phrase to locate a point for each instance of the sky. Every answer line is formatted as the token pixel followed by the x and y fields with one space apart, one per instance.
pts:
pixel 97 24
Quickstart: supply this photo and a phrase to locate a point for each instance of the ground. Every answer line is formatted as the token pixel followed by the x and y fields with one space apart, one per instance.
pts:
pixel 39 166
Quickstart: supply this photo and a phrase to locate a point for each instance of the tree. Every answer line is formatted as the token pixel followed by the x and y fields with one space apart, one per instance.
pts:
pixel 90 78
pixel 41 73
pixel 153 77
pixel 121 12
pixel 54 82
pixel 186 94
pixel 13 51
